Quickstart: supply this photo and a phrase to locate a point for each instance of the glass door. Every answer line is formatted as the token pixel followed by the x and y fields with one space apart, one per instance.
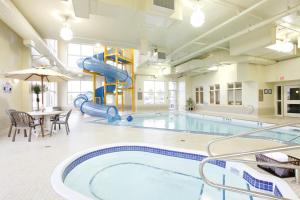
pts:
pixel 292 101
pixel 279 100
pixel 172 95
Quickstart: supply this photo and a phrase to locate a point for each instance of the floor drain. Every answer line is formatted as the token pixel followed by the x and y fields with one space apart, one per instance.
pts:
pixel 47 146
pixel 182 140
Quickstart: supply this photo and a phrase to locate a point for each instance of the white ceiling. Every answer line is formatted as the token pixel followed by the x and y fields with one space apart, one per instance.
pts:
pixel 125 22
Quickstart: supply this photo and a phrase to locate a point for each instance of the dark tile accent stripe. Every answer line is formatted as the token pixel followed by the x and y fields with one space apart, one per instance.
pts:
pixel 178 154
pixel 257 183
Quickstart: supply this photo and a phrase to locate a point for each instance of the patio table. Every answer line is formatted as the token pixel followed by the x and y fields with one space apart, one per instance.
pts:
pixel 45 118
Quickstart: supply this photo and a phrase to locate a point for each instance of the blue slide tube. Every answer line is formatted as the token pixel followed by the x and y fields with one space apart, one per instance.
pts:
pixel 112 74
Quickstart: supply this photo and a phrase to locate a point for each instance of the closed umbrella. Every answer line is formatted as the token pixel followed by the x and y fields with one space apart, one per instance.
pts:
pixel 38 74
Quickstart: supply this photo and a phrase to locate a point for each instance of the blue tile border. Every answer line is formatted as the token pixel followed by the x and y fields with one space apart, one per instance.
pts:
pixel 178 154
pixel 257 183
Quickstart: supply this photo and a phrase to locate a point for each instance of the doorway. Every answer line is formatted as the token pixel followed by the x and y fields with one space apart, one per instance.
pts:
pixel 292 101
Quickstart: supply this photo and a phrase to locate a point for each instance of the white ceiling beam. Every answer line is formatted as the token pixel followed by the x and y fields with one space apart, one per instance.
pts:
pixel 218 27
pixel 14 19
pixel 240 33
pixel 236 7
pixel 219 47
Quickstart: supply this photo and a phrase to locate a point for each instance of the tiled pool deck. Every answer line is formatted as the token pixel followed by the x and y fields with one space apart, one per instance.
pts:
pixel 26 167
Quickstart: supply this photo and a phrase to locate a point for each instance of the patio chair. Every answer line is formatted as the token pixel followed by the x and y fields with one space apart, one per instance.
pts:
pixel 12 122
pixel 55 117
pixel 25 121
pixel 63 120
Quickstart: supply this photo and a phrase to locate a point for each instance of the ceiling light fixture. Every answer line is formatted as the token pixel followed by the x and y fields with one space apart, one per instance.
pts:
pixel 197 17
pixel 66 32
pixel 282 46
pixel 214 68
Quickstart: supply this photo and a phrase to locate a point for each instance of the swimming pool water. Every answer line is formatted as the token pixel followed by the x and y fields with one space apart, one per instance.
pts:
pixel 211 125
pixel 147 176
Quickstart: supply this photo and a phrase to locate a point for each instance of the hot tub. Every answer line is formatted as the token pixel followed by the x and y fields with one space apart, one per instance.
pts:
pixel 148 172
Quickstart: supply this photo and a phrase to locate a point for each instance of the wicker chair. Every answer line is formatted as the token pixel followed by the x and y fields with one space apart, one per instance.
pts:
pixel 25 121
pixel 12 121
pixel 63 120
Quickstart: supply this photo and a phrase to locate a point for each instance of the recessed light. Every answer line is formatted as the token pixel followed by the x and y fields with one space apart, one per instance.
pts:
pixel 282 46
pixel 214 68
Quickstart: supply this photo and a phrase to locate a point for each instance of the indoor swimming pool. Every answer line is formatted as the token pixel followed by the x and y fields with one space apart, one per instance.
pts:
pixel 135 172
pixel 196 123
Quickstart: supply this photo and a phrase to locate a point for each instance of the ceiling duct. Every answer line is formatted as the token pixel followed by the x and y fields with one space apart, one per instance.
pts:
pixel 81 8
pixel 161 7
pixel 10 15
pixel 169 4
pixel 217 58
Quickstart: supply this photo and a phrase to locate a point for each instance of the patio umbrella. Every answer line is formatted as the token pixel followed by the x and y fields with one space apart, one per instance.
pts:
pixel 38 74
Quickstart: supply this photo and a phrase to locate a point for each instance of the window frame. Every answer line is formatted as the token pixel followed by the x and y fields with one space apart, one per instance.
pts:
pixel 234 88
pixel 80 91
pixel 81 54
pixel 52 92
pixel 199 92
pixel 154 93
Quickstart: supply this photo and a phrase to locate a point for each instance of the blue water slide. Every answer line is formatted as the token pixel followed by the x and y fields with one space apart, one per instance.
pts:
pixel 111 74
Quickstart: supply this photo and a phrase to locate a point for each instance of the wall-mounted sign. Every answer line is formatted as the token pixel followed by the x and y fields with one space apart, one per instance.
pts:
pixel 270 91
pixel 7 87
pixel 267 91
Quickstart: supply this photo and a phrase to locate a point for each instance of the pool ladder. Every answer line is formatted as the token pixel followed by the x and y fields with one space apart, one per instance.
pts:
pixel 232 157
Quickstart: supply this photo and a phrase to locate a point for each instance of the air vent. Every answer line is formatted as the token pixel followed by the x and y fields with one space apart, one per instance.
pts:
pixel 161 55
pixel 169 4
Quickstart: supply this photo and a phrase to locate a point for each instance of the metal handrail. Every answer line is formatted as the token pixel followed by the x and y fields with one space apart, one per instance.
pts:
pixel 240 190
pixel 229 157
pixel 245 134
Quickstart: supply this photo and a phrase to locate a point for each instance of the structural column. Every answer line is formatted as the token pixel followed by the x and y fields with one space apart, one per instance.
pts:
pixel 133 82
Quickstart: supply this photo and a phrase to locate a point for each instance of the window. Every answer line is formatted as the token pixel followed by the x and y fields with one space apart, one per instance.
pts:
pixel 217 94
pixel 154 92
pixel 234 93
pixel 148 92
pixel 77 51
pixel 159 92
pixel 212 94
pixel 52 44
pixel 78 87
pixel 199 95
pixel 172 95
pixel 50 95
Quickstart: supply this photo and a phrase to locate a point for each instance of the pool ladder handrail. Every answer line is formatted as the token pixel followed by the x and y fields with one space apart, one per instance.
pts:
pixel 231 156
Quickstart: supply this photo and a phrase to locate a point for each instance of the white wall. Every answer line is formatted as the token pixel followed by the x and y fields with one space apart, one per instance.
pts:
pixel 282 73
pixel 13 56
pixel 224 75
pixel 254 78
pixel 288 70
